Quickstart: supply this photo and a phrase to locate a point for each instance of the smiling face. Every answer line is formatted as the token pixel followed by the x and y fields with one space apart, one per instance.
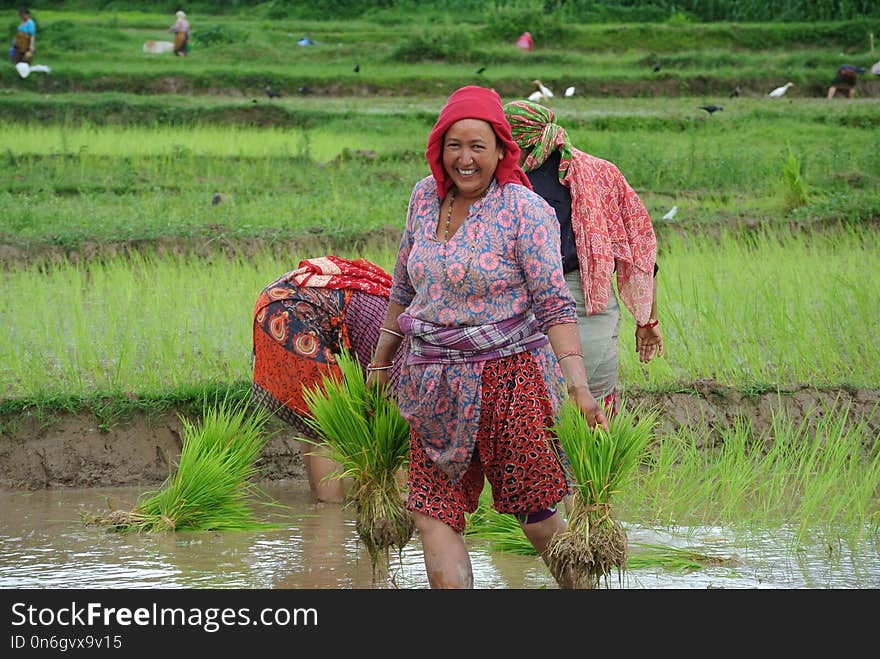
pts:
pixel 471 153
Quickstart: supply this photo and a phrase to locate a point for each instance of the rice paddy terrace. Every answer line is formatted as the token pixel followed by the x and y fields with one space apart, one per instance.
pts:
pixel 147 199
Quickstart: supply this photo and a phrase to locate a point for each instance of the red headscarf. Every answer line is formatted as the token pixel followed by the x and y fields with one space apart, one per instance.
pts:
pixel 474 102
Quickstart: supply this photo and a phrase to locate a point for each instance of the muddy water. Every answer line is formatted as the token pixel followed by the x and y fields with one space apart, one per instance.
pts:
pixel 44 544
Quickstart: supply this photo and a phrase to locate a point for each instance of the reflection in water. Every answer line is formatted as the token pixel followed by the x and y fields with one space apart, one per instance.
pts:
pixel 44 544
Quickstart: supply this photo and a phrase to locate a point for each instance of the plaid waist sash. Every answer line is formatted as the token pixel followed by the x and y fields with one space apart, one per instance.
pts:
pixel 440 386
pixel 436 344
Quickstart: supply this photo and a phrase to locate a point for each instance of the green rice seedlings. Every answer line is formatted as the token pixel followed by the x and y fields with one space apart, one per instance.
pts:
pixel 503 533
pixel 643 556
pixel 362 430
pixel 212 488
pixel 600 463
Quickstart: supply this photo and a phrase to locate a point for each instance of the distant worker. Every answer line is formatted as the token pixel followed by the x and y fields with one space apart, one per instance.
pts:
pixel 25 38
pixel 180 29
pixel 525 41
pixel 845 80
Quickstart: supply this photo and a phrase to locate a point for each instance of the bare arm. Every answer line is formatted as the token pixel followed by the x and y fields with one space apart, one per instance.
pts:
pixel 649 340
pixel 566 343
pixel 386 346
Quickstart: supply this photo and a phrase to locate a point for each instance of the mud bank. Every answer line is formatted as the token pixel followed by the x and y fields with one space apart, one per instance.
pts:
pixel 216 242
pixel 77 450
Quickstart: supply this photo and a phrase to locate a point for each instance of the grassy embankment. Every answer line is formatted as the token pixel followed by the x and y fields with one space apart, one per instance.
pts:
pixel 729 312
pixel 423 52
pixel 345 171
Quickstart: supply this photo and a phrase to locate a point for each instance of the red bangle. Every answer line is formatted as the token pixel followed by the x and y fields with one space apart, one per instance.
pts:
pixel 649 324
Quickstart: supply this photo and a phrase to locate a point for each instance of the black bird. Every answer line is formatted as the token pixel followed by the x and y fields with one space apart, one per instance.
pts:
pixel 480 70
pixel 656 68
pixel 711 109
pixel 357 68
pixel 271 93
pixel 736 91
pixel 305 89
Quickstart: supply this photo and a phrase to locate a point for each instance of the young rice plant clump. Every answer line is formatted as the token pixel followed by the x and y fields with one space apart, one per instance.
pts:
pixel 600 463
pixel 213 487
pixel 363 431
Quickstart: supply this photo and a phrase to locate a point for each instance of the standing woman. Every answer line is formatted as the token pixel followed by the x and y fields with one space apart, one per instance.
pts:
pixel 606 233
pixel 479 293
pixel 180 29
pixel 25 38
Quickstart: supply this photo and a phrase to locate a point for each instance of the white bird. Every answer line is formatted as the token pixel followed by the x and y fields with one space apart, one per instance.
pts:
pixel 541 88
pixel 569 92
pixel 780 91
pixel 672 211
pixel 536 97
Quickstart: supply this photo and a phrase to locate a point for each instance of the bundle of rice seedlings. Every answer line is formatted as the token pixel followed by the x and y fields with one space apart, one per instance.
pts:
pixel 675 559
pixel 600 464
pixel 363 431
pixel 504 533
pixel 212 488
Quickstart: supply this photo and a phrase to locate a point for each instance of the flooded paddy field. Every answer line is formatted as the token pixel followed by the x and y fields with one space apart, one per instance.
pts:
pixel 45 544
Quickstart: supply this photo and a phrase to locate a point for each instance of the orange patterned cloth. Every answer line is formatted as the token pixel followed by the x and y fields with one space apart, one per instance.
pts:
pixel 304 319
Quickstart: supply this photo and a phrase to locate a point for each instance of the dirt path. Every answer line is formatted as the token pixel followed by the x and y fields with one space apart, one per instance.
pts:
pixel 72 450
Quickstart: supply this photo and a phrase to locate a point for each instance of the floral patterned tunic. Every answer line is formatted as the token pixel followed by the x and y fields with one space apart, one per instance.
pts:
pixel 504 261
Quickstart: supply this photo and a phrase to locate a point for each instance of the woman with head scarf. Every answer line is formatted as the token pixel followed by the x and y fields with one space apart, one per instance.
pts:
pixel 180 30
pixel 605 233
pixel 302 321
pixel 492 344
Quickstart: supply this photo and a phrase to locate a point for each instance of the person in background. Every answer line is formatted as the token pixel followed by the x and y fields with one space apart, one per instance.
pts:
pixel 845 80
pixel 180 29
pixel 525 41
pixel 24 45
pixel 606 233
pixel 301 321
pixel 491 339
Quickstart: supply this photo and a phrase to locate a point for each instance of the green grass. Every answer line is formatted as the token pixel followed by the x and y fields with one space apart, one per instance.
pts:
pixel 772 311
pixel 344 169
pixel 818 478
pixel 807 484
pixel 417 50
pixel 362 430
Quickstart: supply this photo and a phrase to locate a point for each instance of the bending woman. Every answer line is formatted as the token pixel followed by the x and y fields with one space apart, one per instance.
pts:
pixel 303 320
